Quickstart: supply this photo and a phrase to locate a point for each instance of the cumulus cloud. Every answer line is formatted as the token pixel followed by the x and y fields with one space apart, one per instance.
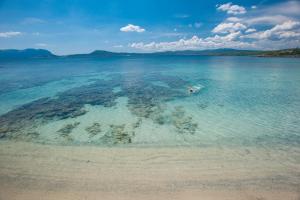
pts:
pixel 228 27
pixel 233 19
pixel 284 30
pixel 132 28
pixel 231 9
pixel 274 14
pixel 289 8
pixel 227 41
pixel 267 19
pixel 250 30
pixel 9 34
pixel 289 34
pixel 286 25
pixel 262 27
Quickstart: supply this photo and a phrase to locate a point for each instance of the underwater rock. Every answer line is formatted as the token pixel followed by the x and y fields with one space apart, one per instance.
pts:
pixel 94 129
pixel 67 129
pixel 29 136
pixel 144 97
pixel 183 124
pixel 161 119
pixel 117 135
pixel 137 124
pixel 3 130
pixel 145 100
pixel 25 135
pixel 68 104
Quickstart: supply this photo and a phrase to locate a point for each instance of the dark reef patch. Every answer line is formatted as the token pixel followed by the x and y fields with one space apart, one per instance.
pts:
pixel 68 104
pixel 145 100
pixel 67 130
pixel 94 129
pixel 116 135
pixel 184 124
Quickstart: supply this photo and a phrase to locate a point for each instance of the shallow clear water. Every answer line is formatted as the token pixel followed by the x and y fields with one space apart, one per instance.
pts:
pixel 144 101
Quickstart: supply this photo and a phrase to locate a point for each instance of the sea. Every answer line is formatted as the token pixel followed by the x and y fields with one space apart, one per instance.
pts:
pixel 152 101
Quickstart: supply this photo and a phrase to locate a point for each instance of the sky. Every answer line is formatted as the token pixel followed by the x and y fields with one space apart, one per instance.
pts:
pixel 82 26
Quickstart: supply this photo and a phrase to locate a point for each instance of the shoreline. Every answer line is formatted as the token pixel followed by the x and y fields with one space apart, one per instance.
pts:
pixel 36 171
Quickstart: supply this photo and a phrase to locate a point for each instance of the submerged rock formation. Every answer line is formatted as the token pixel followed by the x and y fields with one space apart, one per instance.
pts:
pixel 145 100
pixel 116 135
pixel 93 129
pixel 68 104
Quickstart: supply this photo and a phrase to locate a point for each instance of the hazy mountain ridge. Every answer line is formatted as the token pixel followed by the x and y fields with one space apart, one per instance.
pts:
pixel 42 53
pixel 26 53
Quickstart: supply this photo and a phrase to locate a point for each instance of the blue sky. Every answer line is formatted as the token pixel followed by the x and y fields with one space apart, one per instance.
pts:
pixel 81 26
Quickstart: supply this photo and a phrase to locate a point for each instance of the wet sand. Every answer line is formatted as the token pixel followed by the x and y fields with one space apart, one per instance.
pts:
pixel 35 171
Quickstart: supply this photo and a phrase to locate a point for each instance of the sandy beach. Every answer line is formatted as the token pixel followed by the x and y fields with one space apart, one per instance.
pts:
pixel 35 171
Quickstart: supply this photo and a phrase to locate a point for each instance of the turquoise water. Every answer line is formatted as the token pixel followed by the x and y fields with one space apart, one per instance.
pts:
pixel 144 101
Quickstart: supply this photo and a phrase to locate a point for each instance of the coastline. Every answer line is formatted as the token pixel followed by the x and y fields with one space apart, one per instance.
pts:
pixel 35 171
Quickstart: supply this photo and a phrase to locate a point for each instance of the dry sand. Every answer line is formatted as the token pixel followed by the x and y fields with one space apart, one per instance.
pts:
pixel 35 171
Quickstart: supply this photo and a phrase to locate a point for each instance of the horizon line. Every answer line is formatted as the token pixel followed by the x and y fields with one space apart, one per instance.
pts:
pixel 152 52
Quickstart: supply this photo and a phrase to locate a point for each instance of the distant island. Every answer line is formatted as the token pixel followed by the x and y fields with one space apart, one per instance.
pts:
pixel 43 53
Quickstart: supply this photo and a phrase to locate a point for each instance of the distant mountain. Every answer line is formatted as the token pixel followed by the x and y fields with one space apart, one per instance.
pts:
pixel 214 52
pixel 26 53
pixel 100 53
pixel 42 53
pixel 211 52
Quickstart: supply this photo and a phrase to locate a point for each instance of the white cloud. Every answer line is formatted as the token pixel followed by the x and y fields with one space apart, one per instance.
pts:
pixel 9 34
pixel 289 34
pixel 233 19
pixel 231 9
pixel 254 7
pixel 272 14
pixel 270 27
pixel 283 30
pixel 132 28
pixel 266 19
pixel 227 41
pixel 286 25
pixel 228 27
pixel 289 8
pixel 250 30
pixel 227 38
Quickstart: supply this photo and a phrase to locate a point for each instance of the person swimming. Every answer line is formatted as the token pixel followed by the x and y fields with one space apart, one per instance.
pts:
pixel 190 89
pixel 194 89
